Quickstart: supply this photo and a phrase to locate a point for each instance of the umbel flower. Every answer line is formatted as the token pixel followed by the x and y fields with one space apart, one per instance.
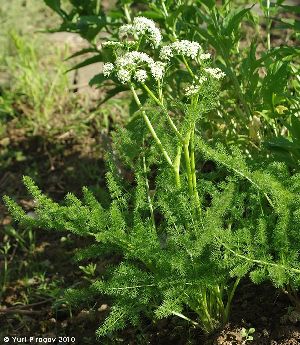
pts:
pixel 141 26
pixel 134 65
pixel 195 88
pixel 215 72
pixel 183 47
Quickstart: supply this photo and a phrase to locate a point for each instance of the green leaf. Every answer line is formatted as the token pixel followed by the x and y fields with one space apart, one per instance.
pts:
pixel 97 80
pixel 233 20
pixel 113 92
pixel 153 15
pixel 87 62
pixel 289 23
pixel 208 3
pixel 82 52
pixel 55 5
pixel 283 143
pixel 295 127
pixel 275 82
pixel 294 9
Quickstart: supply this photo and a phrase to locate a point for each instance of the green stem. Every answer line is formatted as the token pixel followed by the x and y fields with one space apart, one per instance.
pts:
pixel 228 305
pixel 163 5
pixel 172 124
pixel 193 170
pixel 188 67
pixel 188 165
pixel 261 262
pixel 177 166
pixel 127 14
pixel 98 6
pixel 151 129
pixel 205 309
pixel 269 23
pixel 185 318
pixel 148 192
pixel 160 94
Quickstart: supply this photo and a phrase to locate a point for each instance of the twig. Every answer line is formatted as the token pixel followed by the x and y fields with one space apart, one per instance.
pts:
pixel 20 309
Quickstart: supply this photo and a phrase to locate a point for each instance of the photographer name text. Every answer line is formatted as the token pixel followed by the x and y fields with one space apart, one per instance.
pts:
pixel 39 340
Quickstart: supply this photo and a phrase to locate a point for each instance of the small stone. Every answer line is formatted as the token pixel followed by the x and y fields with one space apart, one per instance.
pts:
pixel 103 307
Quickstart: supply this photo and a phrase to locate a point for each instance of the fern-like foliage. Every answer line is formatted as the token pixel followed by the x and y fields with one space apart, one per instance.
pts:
pixel 173 260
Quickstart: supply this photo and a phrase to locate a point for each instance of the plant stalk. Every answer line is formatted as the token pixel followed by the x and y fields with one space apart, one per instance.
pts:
pixel 151 129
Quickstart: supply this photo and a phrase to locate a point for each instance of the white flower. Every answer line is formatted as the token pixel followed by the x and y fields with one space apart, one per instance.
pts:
pixel 201 79
pixel 112 44
pixel 135 64
pixel 186 48
pixel 183 47
pixel 157 70
pixel 141 26
pixel 215 72
pixel 205 56
pixel 144 25
pixel 166 52
pixel 108 69
pixel 123 75
pixel 191 90
pixel 125 30
pixel 140 75
pixel 194 88
pixel 132 59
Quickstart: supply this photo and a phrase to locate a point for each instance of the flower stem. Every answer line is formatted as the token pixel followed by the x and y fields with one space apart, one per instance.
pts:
pixel 148 192
pixel 151 129
pixel 188 165
pixel 127 14
pixel 193 170
pixel 177 166
pixel 172 124
pixel 188 66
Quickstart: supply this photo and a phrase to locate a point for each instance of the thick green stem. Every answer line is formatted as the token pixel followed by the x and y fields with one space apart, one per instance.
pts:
pixel 193 169
pixel 177 166
pixel 185 318
pixel 208 321
pixel 230 297
pixel 157 101
pixel 188 165
pixel 269 23
pixel 148 193
pixel 151 129
pixel 127 14
pixel 98 7
pixel 188 67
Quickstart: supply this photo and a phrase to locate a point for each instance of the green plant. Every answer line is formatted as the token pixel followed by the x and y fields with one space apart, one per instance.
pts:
pixel 4 276
pixel 184 238
pixel 39 89
pixel 259 81
pixel 247 334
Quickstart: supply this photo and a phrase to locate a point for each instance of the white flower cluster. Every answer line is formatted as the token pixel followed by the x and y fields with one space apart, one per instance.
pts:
pixel 215 72
pixel 139 27
pixel 132 64
pixel 140 75
pixel 205 56
pixel 108 69
pixel 183 47
pixel 112 44
pixel 194 88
